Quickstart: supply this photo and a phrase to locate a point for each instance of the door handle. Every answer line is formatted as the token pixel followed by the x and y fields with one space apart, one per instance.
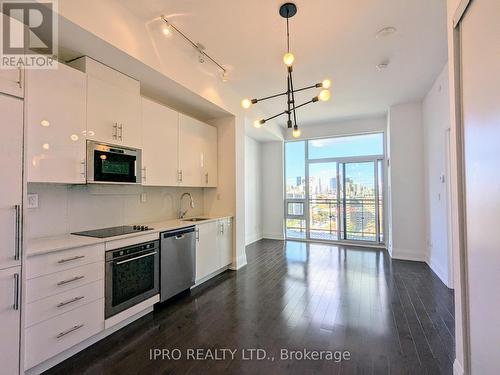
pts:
pixel 17 289
pixel 20 77
pixel 17 249
pixel 132 259
pixel 179 237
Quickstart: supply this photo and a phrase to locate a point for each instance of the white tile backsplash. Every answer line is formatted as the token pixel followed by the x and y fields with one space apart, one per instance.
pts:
pixel 71 208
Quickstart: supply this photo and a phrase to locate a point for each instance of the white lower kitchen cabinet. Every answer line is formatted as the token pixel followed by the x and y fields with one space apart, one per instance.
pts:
pixel 214 247
pixel 56 123
pixel 225 241
pixel 53 336
pixel 11 82
pixel 160 132
pixel 10 320
pixel 207 255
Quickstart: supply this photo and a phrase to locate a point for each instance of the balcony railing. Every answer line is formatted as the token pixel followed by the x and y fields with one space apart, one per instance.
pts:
pixel 339 219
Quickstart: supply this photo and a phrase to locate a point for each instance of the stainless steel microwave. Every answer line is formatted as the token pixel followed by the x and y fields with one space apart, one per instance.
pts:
pixel 113 164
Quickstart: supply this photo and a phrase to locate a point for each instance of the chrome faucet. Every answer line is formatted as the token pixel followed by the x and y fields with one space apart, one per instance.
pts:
pixel 182 214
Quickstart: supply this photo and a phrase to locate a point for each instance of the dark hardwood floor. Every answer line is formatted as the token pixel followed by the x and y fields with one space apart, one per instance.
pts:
pixel 393 317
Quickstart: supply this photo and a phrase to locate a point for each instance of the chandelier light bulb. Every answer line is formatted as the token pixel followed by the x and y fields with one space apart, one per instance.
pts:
pixel 324 95
pixel 166 30
pixel 326 84
pixel 288 59
pixel 296 132
pixel 246 103
pixel 258 124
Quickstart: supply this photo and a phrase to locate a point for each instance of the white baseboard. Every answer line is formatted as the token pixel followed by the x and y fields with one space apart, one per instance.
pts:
pixel 440 271
pixel 458 369
pixel 404 254
pixel 251 239
pixel 240 263
pixel 273 236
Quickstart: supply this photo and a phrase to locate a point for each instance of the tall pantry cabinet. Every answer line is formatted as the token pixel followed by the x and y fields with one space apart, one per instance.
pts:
pixel 11 197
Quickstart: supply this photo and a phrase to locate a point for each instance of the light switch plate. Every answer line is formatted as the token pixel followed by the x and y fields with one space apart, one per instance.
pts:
pixel 32 201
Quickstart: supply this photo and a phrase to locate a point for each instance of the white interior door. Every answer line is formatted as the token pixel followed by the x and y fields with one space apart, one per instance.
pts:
pixel 480 62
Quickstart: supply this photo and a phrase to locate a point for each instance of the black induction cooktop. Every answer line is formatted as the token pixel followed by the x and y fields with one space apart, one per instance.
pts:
pixel 113 231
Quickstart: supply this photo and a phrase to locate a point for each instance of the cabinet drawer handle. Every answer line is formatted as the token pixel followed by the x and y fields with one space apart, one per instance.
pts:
pixel 17 249
pixel 17 289
pixel 71 259
pixel 72 329
pixel 64 282
pixel 62 304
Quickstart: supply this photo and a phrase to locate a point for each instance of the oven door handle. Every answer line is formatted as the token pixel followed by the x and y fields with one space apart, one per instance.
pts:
pixel 139 257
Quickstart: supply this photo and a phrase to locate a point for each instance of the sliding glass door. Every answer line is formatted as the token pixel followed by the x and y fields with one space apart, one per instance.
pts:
pixel 334 189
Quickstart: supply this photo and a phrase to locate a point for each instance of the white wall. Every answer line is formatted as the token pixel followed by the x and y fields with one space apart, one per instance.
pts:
pixel 342 127
pixel 253 190
pixel 272 165
pixel 406 182
pixel 436 122
pixel 69 208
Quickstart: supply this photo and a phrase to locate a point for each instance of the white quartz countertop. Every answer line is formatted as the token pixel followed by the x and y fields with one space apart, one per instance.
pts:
pixel 42 245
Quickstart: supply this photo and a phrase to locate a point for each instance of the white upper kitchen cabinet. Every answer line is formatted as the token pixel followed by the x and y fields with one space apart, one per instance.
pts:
pixel 10 320
pixel 191 133
pixel 160 132
pixel 11 152
pixel 207 255
pixel 197 153
pixel 225 241
pixel 209 156
pixel 56 111
pixel 113 104
pixel 11 82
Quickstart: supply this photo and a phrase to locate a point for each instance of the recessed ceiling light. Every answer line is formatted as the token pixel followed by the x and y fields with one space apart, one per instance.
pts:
pixel 382 66
pixel 386 31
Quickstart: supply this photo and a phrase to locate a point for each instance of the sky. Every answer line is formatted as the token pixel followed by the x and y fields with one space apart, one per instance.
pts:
pixel 359 145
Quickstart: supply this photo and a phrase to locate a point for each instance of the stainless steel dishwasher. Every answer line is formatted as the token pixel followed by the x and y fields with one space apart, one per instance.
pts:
pixel 177 261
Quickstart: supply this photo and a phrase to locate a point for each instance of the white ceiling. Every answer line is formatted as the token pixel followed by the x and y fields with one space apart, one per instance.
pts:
pixel 330 39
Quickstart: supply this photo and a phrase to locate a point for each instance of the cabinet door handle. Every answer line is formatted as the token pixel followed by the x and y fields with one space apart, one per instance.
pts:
pixel 83 163
pixel 197 235
pixel 143 173
pixel 64 282
pixel 115 130
pixel 20 77
pixel 72 329
pixel 120 135
pixel 17 290
pixel 180 175
pixel 17 239
pixel 62 304
pixel 70 259
pixel 206 178
pixel 222 228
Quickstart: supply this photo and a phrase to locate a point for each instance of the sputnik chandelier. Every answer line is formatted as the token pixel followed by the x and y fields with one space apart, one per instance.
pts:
pixel 287 11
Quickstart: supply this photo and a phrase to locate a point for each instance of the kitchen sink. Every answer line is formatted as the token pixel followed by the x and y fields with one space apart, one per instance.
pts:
pixel 195 219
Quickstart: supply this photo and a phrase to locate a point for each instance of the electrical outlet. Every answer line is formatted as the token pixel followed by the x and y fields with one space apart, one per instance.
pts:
pixel 143 198
pixel 32 201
